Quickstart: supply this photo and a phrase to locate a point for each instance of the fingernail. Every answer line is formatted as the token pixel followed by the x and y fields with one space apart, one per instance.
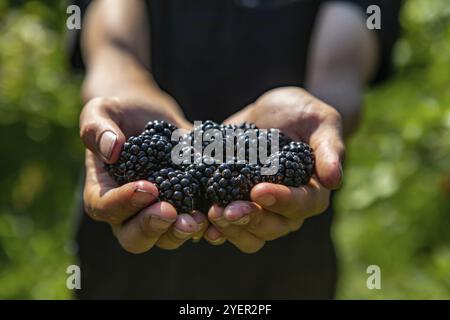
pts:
pixel 267 200
pixel 181 234
pixel 141 198
pixel 219 240
pixel 242 221
pixel 106 145
pixel 237 211
pixel 160 223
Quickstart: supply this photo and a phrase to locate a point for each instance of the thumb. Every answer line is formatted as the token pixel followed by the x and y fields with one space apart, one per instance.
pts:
pixel 329 152
pixel 99 128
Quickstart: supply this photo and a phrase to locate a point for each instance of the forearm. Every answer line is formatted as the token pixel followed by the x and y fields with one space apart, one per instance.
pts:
pixel 116 74
pixel 343 57
pixel 117 66
pixel 345 94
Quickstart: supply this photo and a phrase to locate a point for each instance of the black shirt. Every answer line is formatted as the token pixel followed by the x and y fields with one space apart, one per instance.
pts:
pixel 215 57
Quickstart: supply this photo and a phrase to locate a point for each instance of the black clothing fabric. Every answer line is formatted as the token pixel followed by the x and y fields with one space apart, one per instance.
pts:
pixel 215 57
pixel 301 265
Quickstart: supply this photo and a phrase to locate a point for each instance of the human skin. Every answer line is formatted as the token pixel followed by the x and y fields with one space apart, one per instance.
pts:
pixel 121 96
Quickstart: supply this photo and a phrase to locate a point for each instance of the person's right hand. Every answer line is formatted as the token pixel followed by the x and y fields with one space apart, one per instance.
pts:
pixel 138 221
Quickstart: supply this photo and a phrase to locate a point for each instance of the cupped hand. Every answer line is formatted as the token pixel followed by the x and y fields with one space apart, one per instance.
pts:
pixel 277 210
pixel 138 221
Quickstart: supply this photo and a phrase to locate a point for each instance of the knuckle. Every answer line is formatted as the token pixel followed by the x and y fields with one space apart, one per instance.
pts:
pixel 335 115
pixel 112 219
pixel 92 212
pixel 87 129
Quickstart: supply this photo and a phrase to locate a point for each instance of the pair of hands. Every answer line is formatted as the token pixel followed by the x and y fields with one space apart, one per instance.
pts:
pixel 140 222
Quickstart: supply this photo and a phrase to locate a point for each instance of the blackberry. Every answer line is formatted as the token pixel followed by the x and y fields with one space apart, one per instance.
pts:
pixel 177 187
pixel 230 182
pixel 292 170
pixel 209 124
pixel 194 185
pixel 284 140
pixel 201 133
pixel 305 152
pixel 161 128
pixel 254 143
pixel 143 154
pixel 202 171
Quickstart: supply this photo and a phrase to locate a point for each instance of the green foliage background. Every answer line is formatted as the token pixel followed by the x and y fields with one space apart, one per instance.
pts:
pixel 393 210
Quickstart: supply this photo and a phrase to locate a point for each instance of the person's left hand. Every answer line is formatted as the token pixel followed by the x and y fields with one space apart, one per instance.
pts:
pixel 276 210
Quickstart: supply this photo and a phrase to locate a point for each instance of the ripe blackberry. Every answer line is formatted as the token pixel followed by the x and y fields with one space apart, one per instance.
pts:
pixel 177 187
pixel 141 155
pixel 204 132
pixel 209 124
pixel 230 182
pixel 256 142
pixel 292 169
pixel 284 140
pixel 202 171
pixel 161 128
pixel 305 152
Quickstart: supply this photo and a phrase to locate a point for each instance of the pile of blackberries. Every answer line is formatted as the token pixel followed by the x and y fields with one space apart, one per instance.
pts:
pixel 197 175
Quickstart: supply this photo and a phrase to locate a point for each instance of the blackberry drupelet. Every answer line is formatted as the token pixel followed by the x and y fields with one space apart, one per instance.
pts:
pixel 177 187
pixel 230 182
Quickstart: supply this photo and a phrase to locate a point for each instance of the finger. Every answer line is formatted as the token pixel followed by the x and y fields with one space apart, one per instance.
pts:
pixel 202 222
pixel 259 222
pixel 237 235
pixel 328 144
pixel 105 201
pixel 181 231
pixel 292 203
pixel 99 128
pixel 213 236
pixel 141 232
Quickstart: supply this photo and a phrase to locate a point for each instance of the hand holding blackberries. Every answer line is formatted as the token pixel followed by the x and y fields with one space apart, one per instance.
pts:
pixel 138 221
pixel 276 210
